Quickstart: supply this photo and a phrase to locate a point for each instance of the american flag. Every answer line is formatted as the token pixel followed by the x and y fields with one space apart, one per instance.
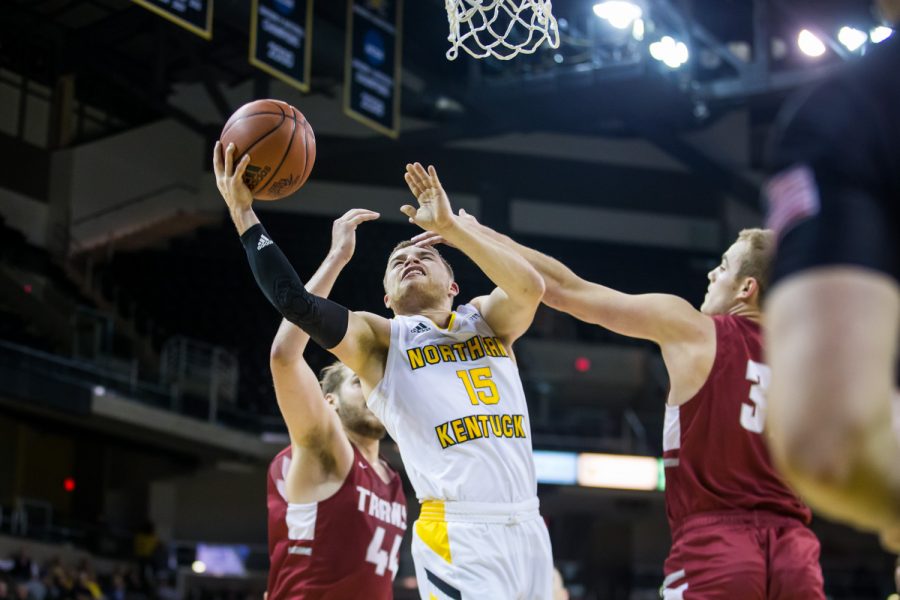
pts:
pixel 792 197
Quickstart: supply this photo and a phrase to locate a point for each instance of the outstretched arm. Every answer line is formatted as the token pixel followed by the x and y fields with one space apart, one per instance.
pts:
pixel 510 308
pixel 662 318
pixel 311 423
pixel 354 338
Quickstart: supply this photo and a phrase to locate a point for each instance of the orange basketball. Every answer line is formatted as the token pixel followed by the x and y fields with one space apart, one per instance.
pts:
pixel 281 145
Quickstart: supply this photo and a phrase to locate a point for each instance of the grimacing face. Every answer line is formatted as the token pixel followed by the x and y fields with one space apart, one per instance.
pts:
pixel 350 403
pixel 724 284
pixel 417 278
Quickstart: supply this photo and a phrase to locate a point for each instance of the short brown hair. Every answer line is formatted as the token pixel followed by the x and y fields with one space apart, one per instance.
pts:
pixel 332 377
pixel 408 243
pixel 758 258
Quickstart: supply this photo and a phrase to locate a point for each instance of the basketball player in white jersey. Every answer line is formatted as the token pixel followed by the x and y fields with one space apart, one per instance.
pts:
pixel 445 385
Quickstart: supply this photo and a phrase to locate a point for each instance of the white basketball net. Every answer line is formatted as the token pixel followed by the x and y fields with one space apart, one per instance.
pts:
pixel 500 28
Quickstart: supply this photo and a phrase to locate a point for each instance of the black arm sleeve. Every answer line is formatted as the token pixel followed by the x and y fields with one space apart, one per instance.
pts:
pixel 325 321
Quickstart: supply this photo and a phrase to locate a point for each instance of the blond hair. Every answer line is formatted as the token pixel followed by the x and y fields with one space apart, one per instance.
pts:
pixel 332 377
pixel 758 258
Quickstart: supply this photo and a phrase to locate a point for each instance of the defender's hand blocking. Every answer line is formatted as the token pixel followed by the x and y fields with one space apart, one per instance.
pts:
pixel 434 212
pixel 229 178
pixel 429 238
pixel 343 232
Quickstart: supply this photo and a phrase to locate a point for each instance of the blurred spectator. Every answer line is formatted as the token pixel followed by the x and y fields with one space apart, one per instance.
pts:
pixel 146 545
pixel 165 589
pixel 4 590
pixel 87 583
pixel 23 567
pixel 117 589
pixel 21 592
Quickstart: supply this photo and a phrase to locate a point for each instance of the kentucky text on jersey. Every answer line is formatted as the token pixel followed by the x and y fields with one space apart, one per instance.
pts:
pixel 475 427
pixel 472 349
pixel 393 513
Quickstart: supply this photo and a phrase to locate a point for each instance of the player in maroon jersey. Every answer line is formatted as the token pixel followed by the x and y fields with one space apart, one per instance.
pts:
pixel 738 531
pixel 337 512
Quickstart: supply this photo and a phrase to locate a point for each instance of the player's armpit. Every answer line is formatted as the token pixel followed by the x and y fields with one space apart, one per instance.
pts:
pixel 364 346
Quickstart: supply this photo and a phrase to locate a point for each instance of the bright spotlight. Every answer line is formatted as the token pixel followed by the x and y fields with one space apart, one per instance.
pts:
pixel 670 52
pixel 809 44
pixel 852 38
pixel 619 13
pixel 638 30
pixel 880 33
pixel 198 566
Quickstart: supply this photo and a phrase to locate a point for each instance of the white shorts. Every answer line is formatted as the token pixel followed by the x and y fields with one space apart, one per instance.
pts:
pixel 474 551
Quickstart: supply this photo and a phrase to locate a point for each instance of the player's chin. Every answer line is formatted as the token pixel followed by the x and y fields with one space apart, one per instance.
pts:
pixel 367 426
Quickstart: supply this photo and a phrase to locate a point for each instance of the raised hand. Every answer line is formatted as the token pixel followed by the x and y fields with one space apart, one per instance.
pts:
pixel 429 238
pixel 229 178
pixel 434 212
pixel 343 232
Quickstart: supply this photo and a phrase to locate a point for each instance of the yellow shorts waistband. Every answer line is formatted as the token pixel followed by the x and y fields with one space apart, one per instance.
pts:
pixel 479 512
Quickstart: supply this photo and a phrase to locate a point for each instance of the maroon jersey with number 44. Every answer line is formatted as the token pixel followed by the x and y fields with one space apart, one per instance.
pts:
pixel 713 448
pixel 343 547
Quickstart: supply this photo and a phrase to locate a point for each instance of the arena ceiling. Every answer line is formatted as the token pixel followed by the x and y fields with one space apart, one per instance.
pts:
pixel 131 64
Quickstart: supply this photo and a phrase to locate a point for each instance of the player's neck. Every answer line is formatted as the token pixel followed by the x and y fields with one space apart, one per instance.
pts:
pixel 747 311
pixel 367 446
pixel 439 316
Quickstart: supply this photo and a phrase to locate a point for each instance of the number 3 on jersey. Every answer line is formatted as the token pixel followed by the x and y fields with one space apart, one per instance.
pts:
pixel 379 557
pixel 753 414
pixel 479 385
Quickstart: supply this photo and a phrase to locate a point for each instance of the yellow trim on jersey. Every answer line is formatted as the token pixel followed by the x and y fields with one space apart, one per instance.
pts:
pixel 449 323
pixel 431 527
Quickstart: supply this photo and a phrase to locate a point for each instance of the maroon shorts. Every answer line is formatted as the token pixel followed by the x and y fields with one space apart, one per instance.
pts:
pixel 743 556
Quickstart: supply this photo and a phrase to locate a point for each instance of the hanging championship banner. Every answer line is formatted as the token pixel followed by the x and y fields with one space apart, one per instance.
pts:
pixel 193 15
pixel 372 70
pixel 281 39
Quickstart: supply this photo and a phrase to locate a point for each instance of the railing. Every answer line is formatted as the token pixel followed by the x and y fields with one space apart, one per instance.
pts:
pixel 91 375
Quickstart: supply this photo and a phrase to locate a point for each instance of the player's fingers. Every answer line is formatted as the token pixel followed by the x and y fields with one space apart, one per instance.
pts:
pixel 414 186
pixel 428 240
pixel 218 165
pixel 432 172
pixel 241 167
pixel 229 160
pixel 409 211
pixel 421 175
pixel 354 212
pixel 363 217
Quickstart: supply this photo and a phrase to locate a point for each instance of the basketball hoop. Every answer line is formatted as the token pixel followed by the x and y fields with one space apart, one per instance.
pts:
pixel 500 28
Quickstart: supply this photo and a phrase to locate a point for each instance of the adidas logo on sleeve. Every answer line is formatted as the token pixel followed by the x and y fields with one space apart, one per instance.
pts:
pixel 263 242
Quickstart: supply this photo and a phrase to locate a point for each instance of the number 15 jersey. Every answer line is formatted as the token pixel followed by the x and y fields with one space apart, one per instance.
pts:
pixel 452 399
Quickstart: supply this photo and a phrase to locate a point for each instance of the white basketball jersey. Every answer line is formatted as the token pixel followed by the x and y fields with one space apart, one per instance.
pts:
pixel 453 401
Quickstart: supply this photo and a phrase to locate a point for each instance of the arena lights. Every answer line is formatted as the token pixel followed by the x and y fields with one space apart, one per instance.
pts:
pixel 613 471
pixel 198 566
pixel 852 38
pixel 670 52
pixel 810 44
pixel 618 13
pixel 880 33
pixel 556 468
pixel 619 472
